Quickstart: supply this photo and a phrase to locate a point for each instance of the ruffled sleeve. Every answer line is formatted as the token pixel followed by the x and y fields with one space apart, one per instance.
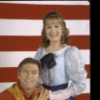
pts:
pixel 75 67
pixel 38 53
pixel 37 57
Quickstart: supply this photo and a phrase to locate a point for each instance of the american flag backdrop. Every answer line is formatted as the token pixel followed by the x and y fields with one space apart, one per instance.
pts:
pixel 20 34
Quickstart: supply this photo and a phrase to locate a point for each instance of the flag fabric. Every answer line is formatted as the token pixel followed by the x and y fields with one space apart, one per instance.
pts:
pixel 20 34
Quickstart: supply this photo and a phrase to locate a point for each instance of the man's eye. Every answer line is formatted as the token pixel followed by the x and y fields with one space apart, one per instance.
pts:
pixel 34 72
pixel 48 27
pixel 25 71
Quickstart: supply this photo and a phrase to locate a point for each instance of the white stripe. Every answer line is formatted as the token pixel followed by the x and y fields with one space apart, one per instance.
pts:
pixel 5 85
pixel 87 90
pixel 34 27
pixel 49 2
pixel 12 59
pixel 86 55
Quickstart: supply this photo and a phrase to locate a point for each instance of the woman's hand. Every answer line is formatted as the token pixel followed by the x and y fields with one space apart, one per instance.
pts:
pixel 43 93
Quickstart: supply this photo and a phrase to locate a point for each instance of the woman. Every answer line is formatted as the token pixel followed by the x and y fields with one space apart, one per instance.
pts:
pixel 61 62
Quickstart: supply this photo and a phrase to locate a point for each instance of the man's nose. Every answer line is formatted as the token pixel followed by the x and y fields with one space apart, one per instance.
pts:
pixel 29 74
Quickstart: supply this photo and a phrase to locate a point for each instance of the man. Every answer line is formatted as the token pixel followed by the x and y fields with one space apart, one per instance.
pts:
pixel 26 88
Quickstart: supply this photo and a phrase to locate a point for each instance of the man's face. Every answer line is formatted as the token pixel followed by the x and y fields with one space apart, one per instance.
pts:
pixel 28 76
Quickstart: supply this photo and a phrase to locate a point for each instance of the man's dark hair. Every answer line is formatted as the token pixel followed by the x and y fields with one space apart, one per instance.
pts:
pixel 30 60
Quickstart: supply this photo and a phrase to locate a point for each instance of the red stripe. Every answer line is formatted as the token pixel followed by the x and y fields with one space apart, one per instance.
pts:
pixel 82 42
pixel 9 74
pixel 31 43
pixel 87 68
pixel 83 97
pixel 28 11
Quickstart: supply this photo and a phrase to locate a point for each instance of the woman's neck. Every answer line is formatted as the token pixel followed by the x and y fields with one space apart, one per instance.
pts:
pixel 55 46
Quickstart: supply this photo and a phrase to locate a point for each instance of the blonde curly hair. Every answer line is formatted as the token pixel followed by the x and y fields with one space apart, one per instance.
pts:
pixel 65 31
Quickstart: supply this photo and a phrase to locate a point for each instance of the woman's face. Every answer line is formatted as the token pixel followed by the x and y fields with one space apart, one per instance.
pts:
pixel 53 30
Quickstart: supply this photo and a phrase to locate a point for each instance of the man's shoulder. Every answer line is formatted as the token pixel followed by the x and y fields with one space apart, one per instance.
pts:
pixel 6 95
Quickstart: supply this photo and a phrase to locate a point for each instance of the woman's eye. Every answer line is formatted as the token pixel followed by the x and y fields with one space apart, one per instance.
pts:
pixel 56 26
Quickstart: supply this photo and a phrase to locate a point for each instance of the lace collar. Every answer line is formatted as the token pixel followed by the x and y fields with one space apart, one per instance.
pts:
pixel 44 52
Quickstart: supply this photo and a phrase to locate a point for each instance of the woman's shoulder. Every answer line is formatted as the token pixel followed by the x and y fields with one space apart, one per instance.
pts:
pixel 71 49
pixel 40 51
pixel 40 48
pixel 74 53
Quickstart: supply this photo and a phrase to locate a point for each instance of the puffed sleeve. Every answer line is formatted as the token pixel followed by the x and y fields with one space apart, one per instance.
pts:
pixel 38 52
pixel 37 57
pixel 75 67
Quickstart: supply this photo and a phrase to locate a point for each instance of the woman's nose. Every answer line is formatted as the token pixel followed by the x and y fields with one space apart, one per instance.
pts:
pixel 52 29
